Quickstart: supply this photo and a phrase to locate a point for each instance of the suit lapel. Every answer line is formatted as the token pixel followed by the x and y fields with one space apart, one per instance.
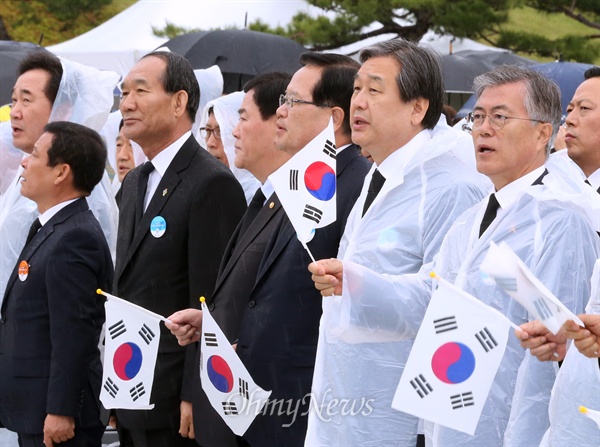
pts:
pixel 266 214
pixel 29 250
pixel 163 193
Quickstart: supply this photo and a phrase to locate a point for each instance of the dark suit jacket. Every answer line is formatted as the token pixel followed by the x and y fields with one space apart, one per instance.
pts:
pixel 237 276
pixel 279 331
pixel 202 203
pixel 51 322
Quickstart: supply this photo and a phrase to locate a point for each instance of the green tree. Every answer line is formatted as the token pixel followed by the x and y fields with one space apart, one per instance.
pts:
pixel 481 20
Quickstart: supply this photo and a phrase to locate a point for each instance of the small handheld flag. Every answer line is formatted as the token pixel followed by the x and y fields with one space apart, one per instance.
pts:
pixel 225 380
pixel 454 360
pixel 512 275
pixel 132 335
pixel 306 185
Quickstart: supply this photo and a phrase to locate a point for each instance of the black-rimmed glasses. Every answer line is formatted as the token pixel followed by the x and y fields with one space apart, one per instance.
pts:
pixel 206 132
pixel 497 120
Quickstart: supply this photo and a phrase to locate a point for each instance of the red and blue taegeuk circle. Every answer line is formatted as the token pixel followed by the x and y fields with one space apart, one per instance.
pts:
pixel 127 361
pixel 453 363
pixel 319 179
pixel 219 373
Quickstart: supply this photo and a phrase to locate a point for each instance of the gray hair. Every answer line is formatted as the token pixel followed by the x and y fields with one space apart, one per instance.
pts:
pixel 420 75
pixel 542 97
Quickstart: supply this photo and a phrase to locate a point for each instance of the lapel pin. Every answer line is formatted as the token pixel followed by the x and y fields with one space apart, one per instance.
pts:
pixel 165 191
pixel 271 205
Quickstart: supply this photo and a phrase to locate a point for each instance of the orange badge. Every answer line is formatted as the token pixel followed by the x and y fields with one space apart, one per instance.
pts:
pixel 23 270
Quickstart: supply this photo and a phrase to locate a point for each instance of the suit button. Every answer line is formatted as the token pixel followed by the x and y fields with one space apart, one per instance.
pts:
pixel 211 306
pixel 3 319
pixel 251 303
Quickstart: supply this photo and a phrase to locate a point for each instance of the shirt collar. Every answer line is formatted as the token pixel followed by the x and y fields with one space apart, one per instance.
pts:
pixel 267 189
pixel 594 179
pixel 163 159
pixel 507 195
pixel 51 212
pixel 397 161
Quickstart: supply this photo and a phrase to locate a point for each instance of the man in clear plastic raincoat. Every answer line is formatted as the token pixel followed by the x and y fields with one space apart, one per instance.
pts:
pixel 83 95
pixel 427 184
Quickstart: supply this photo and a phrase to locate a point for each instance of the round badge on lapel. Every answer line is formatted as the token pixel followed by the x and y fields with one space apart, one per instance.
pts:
pixel 23 270
pixel 158 226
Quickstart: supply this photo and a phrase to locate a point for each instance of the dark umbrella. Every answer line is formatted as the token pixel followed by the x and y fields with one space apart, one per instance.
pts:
pixel 460 68
pixel 11 54
pixel 568 76
pixel 240 54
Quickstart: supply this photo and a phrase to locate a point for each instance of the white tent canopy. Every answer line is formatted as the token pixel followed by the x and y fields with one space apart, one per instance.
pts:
pixel 118 43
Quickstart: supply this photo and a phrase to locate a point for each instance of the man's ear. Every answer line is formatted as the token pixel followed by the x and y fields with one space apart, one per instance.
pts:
pixel 179 101
pixel 420 107
pixel 338 115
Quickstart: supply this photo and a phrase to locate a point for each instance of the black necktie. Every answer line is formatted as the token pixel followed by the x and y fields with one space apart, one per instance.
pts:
pixel 377 181
pixel 254 208
pixel 142 187
pixel 490 214
pixel 598 190
pixel 35 226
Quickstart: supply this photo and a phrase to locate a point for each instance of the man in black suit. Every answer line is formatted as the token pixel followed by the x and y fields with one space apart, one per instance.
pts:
pixel 255 152
pixel 279 330
pixel 176 217
pixel 50 369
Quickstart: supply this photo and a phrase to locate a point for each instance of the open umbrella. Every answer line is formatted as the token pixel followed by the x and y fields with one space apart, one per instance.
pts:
pixel 460 68
pixel 11 54
pixel 568 76
pixel 240 54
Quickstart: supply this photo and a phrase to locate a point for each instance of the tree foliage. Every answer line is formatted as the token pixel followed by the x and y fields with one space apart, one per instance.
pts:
pixel 55 20
pixel 482 20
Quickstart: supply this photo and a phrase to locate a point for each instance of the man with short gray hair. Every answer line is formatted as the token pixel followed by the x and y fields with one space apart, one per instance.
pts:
pixel 418 185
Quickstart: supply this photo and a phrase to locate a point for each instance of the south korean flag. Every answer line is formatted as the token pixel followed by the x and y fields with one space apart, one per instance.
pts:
pixel 131 338
pixel 453 361
pixel 225 380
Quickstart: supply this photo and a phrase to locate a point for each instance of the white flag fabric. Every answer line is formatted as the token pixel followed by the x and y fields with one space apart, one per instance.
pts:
pixel 454 360
pixel 306 185
pixel 225 380
pixel 510 273
pixel 131 345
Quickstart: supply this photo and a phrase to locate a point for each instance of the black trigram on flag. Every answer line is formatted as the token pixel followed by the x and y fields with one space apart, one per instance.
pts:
pixel 117 329
pixel 462 400
pixel 229 409
pixel 445 324
pixel 487 340
pixel 312 213
pixel 111 387
pixel 421 386
pixel 329 149
pixel 293 180
pixel 137 391
pixel 543 309
pixel 243 389
pixel 211 339
pixel 146 334
pixel 507 282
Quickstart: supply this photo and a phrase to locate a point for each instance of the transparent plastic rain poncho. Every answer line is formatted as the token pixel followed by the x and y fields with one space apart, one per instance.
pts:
pixel 85 96
pixel 362 344
pixel 210 81
pixel 226 113
pixel 577 383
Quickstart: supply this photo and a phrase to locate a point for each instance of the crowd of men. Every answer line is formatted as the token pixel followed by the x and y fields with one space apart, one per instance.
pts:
pixel 313 333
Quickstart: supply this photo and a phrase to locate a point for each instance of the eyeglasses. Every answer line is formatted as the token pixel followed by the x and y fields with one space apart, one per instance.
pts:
pixel 497 120
pixel 289 101
pixel 206 132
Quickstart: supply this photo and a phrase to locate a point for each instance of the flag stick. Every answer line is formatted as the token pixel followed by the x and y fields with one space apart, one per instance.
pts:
pixel 146 311
pixel 309 253
pixel 592 414
pixel 513 325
